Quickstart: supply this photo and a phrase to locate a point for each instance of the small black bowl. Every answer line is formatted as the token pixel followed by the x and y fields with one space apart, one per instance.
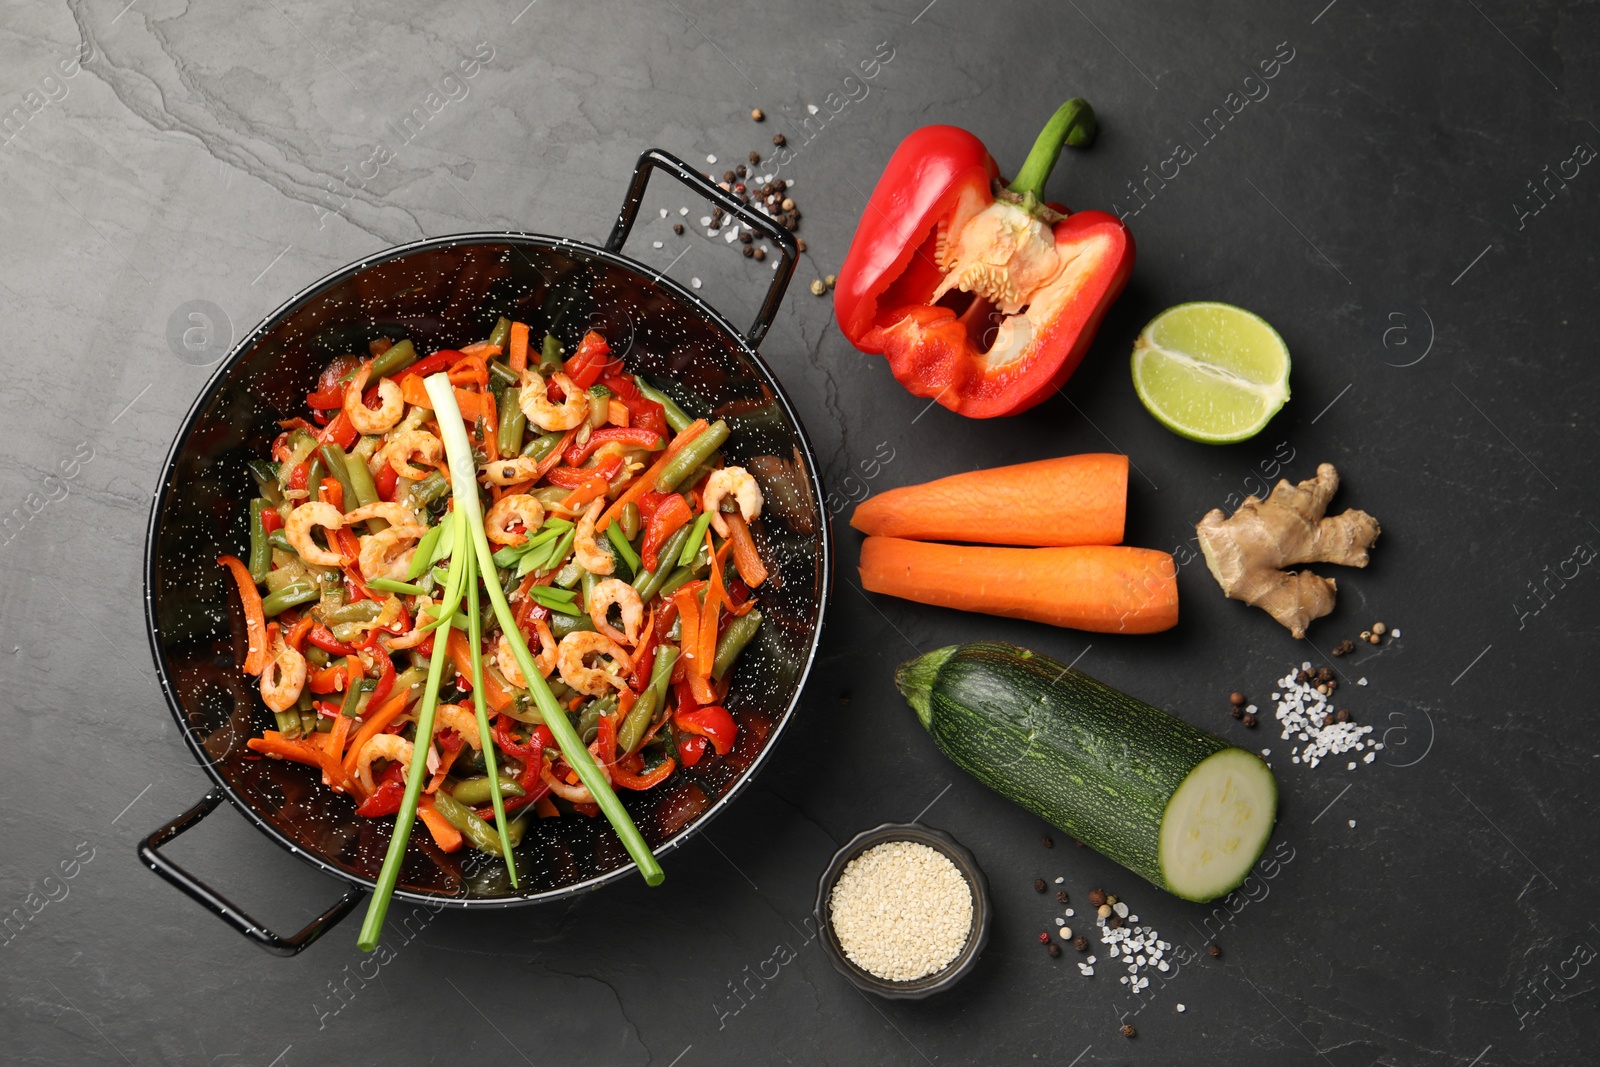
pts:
pixel 977 938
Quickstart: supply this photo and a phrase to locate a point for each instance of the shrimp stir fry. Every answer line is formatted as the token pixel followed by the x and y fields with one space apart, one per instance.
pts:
pixel 624 587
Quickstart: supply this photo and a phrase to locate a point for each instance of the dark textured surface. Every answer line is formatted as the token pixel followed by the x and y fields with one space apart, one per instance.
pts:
pixel 1375 206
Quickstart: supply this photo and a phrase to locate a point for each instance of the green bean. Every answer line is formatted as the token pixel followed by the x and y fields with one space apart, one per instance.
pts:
pixel 551 496
pixel 431 488
pixel 358 611
pixel 500 336
pixel 260 548
pixel 280 540
pixel 518 826
pixel 308 722
pixel 314 475
pixel 550 355
pixel 630 520
pixel 589 718
pixel 677 418
pixel 649 583
pixel 644 709
pixel 562 624
pixel 502 374
pixel 289 596
pixel 697 540
pixel 676 580
pixel 693 454
pixel 365 489
pixel 513 423
pixel 588 582
pixel 479 834
pixel 569 575
pixel 475 791
pixel 741 630
pixel 316 657
pixel 540 446
pixel 288 723
pixel 350 707
pixel 396 358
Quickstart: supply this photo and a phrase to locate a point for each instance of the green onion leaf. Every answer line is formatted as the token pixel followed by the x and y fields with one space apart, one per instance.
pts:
pixel 620 542
pixel 389 585
pixel 697 538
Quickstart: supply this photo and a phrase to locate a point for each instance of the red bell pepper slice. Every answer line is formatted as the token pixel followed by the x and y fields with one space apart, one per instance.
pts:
pixel 386 483
pixel 643 413
pixel 711 722
pixel 271 520
pixel 666 514
pixel 590 361
pixel 323 638
pixel 577 477
pixel 690 749
pixel 626 772
pixel 634 436
pixel 982 297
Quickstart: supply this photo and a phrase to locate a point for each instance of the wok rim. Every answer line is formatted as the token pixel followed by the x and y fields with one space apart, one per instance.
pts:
pixel 268 322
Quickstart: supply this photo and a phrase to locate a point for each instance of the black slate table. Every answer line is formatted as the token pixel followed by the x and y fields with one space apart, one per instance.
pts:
pixel 1409 199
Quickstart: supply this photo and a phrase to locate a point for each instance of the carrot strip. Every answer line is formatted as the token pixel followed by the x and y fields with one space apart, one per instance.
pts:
pixel 444 769
pixel 647 480
pixel 689 617
pixel 255 622
pixel 519 347
pixel 1102 588
pixel 710 614
pixel 447 837
pixel 373 725
pixel 272 743
pixel 745 556
pixel 616 412
pixel 460 654
pixel 1069 500
pixel 481 349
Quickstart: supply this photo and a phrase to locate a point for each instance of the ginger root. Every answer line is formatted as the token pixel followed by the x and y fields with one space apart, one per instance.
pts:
pixel 1247 553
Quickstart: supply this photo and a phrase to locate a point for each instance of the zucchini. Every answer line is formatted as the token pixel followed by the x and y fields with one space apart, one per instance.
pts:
pixel 1179 807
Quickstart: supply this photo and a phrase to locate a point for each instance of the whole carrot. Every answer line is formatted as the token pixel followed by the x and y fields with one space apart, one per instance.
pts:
pixel 1070 500
pixel 1103 588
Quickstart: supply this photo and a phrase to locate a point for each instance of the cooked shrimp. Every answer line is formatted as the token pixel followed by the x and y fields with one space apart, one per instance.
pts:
pixel 409 445
pixel 395 514
pixel 383 746
pixel 735 482
pixel 461 721
pixel 615 591
pixel 392 404
pixel 535 402
pixel 388 553
pixel 284 675
pixel 591 557
pixel 572 656
pixel 510 510
pixel 506 659
pixel 297 528
pixel 510 471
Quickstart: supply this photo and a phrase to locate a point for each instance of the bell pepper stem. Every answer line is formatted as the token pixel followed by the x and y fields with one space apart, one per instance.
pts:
pixel 1072 124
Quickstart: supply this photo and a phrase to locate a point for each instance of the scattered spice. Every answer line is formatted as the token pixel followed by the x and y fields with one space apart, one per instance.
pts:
pixel 1061 896
pixel 1237 713
pixel 1039 885
pixel 818 288
pixel 800 243
pixel 747 252
pixel 1214 950
pixel 1054 950
pixel 1307 717
pixel 1344 648
pixel 1379 628
pixel 757 114
pixel 901 910
pixel 1373 639
pixel 1047 842
pixel 832 279
pixel 677 228
pixel 1103 910
pixel 779 140
pixel 1097 897
pixel 1129 1031
pixel 760 253
pixel 1081 943
pixel 1249 722
pixel 1044 937
pixel 754 157
pixel 1236 699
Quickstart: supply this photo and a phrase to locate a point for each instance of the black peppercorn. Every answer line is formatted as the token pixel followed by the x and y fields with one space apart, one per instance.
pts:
pixel 1115 922
pixel 1343 715
pixel 1249 722
pixel 1081 943
pixel 1038 885
pixel 1128 1030
pixel 677 228
pixel 779 139
pixel 1061 896
pixel 761 253
pixel 747 252
pixel 1047 842
pixel 1054 949
pixel 1214 950
pixel 755 157
pixel 1237 713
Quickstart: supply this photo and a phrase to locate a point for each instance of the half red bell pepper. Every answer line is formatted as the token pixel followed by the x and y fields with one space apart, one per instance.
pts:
pixel 664 515
pixel 982 296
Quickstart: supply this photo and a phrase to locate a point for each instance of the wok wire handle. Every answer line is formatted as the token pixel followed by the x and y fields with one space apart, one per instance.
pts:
pixel 219 905
pixel 789 252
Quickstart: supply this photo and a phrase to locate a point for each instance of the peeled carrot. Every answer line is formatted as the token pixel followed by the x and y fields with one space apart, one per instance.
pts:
pixel 751 569
pixel 519 347
pixel 1070 500
pixel 1103 588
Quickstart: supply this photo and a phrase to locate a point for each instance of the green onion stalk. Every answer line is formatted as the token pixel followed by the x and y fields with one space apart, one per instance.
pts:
pixel 459 452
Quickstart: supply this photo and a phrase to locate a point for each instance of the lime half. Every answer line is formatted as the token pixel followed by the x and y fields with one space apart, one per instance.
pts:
pixel 1211 372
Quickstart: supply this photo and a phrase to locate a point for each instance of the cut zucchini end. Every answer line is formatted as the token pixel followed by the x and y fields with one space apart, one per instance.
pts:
pixel 1217 824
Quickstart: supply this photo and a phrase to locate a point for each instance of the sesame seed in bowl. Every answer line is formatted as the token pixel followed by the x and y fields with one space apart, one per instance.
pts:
pixel 903 910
